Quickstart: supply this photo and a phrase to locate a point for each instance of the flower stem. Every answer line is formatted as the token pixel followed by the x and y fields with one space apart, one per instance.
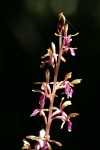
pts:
pixel 56 70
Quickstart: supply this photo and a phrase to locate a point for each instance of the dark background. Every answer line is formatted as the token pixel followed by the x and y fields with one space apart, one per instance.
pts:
pixel 26 30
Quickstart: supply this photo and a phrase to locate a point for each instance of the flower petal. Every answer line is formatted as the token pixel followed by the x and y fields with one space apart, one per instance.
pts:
pixel 68 75
pixel 69 126
pixel 71 93
pixel 56 112
pixel 37 83
pixel 45 147
pixel 64 114
pixel 43 63
pixel 76 81
pixel 39 91
pixel 62 124
pixel 44 55
pixel 60 117
pixel 56 142
pixel 44 86
pixel 55 108
pixel 34 113
pixel 67 41
pixel 32 137
pixel 42 99
pixel 72 115
pixel 49 146
pixel 26 145
pixel 72 51
pixel 65 104
pixel 63 59
pixel 37 146
pixel 48 53
pixel 42 133
pixel 67 88
pixel 53 47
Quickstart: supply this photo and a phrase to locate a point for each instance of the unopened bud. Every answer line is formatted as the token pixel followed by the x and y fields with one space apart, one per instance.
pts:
pixel 47 74
pixel 62 18
pixel 61 23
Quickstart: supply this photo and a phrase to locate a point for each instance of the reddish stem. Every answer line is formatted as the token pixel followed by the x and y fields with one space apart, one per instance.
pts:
pixel 56 70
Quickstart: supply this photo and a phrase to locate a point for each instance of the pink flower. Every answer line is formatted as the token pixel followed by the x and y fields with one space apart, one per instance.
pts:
pixel 67 86
pixel 68 91
pixel 66 118
pixel 52 56
pixel 42 113
pixel 67 42
pixel 43 141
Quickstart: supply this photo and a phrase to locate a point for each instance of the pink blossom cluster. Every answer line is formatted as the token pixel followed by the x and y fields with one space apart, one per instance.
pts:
pixel 49 89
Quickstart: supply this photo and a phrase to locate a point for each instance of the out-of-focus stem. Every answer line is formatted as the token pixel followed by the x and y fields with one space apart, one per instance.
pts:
pixel 56 70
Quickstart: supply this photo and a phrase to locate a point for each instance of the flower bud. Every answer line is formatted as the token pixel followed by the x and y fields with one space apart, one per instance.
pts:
pixel 61 23
pixel 47 75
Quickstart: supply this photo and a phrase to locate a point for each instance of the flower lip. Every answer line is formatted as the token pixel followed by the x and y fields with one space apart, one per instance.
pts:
pixel 68 91
pixel 69 126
